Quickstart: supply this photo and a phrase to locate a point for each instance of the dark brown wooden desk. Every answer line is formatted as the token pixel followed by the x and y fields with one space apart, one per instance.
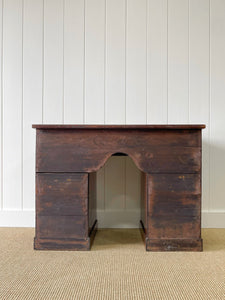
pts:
pixel 67 158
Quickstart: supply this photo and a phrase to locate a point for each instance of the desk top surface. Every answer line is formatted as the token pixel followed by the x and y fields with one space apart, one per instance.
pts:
pixel 144 127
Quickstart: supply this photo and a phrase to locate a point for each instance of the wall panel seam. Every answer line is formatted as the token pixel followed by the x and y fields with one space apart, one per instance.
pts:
pixel 22 102
pixel 84 66
pixel 1 158
pixel 164 59
pixel 105 59
pixel 161 54
pixel 125 67
pixel 167 56
pixel 63 65
pixel 189 104
pixel 147 17
pixel 210 116
pixel 43 60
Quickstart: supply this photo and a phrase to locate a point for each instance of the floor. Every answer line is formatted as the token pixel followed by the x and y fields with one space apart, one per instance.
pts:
pixel 117 267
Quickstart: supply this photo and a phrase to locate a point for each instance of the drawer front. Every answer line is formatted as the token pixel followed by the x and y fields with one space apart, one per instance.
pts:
pixel 61 194
pixel 66 227
pixel 174 205
pixel 169 159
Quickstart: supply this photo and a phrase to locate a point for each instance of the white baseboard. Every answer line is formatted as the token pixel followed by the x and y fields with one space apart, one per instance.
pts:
pixel 17 218
pixel 213 219
pixel 110 219
pixel 118 219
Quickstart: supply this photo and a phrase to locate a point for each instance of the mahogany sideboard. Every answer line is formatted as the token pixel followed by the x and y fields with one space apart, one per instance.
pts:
pixel 68 157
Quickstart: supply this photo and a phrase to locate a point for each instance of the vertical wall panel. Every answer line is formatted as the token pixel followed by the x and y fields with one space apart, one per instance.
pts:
pixel 12 104
pixel 94 61
pixel 115 61
pixel 165 58
pixel 73 61
pixel 1 102
pixel 178 61
pixel 53 62
pixel 157 62
pixel 32 92
pixel 136 43
pixel 199 81
pixel 217 130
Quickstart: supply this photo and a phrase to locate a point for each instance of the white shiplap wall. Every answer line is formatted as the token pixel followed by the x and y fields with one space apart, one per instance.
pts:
pixel 112 62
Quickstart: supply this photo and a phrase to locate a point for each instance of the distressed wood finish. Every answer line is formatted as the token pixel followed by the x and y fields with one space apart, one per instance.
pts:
pixel 68 156
pixel 62 227
pixel 92 201
pixel 174 210
pixel 169 151
pixel 62 194
pixel 144 198
pixel 61 207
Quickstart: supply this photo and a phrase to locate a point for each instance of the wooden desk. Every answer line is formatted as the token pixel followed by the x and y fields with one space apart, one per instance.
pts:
pixel 68 156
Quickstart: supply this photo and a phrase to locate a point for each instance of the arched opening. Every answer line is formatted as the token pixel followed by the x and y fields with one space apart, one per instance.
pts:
pixel 119 199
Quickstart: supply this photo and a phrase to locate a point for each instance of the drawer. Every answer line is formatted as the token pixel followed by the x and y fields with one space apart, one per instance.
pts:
pixel 153 151
pixel 62 194
pixel 66 227
pixel 169 159
pixel 174 205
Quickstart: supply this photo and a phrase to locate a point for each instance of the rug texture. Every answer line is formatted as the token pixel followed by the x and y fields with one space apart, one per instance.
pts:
pixel 117 267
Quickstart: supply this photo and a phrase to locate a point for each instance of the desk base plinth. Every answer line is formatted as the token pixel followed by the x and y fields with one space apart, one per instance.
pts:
pixel 66 244
pixel 61 244
pixel 173 244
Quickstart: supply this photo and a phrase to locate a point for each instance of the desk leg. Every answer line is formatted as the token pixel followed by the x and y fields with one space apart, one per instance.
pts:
pixel 173 212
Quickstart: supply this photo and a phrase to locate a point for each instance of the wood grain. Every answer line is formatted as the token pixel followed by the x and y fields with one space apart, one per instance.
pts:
pixel 66 163
pixel 11 105
pixel 62 194
pixel 152 150
pixel 62 227
pixel 92 185
pixel 173 245
pixel 174 206
pixel 62 244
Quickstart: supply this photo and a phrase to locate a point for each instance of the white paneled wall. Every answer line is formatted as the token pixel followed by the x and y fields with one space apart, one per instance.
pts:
pixel 115 63
pixel 73 69
pixel 110 62
pixel 32 93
